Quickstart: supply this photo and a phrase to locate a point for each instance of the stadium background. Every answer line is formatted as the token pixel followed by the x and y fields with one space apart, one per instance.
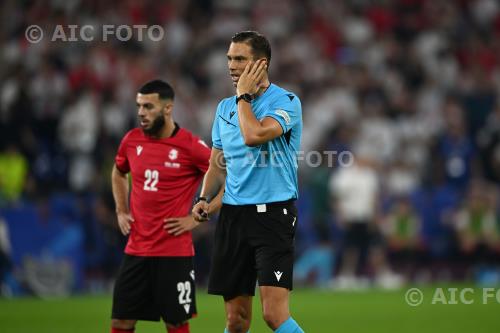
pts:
pixel 409 87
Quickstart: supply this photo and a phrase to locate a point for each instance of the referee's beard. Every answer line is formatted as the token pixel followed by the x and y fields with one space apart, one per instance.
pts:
pixel 156 126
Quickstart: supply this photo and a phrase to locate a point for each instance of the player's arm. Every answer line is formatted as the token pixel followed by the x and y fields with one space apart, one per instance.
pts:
pixel 201 159
pixel 120 186
pixel 213 187
pixel 254 132
pixel 179 225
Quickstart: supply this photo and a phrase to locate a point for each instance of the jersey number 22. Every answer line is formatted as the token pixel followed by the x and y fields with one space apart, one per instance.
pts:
pixel 151 180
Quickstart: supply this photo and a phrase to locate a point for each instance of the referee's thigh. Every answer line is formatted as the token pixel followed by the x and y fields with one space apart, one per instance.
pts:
pixel 232 271
pixel 273 237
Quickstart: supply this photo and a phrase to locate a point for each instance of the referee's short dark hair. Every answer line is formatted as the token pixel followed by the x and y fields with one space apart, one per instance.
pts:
pixel 259 44
pixel 162 88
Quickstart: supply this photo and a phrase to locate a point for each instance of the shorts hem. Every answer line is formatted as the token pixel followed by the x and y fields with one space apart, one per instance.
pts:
pixel 135 317
pixel 226 294
pixel 273 285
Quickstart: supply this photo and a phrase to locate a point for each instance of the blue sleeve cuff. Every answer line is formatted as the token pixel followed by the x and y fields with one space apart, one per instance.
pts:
pixel 279 120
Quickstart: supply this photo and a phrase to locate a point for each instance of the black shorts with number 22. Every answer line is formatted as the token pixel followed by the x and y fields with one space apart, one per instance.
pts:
pixel 150 288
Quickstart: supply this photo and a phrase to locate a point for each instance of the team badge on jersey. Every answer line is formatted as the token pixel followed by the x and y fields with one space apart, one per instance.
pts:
pixel 174 153
pixel 139 150
pixel 172 156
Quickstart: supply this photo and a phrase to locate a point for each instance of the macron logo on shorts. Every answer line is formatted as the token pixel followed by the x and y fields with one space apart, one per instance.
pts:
pixel 278 275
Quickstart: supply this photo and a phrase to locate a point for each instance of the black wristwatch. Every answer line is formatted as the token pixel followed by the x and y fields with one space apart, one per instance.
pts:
pixel 198 199
pixel 246 97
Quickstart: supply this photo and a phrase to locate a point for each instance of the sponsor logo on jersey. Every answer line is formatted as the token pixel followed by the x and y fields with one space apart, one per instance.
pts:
pixel 174 165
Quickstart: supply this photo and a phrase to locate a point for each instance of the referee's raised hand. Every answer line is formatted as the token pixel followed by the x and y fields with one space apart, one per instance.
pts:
pixel 251 78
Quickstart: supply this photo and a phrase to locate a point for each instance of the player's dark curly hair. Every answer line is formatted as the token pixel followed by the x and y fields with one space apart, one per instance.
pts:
pixel 162 88
pixel 259 44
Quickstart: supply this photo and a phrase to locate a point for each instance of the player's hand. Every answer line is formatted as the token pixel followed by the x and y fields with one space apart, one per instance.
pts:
pixel 178 225
pixel 251 78
pixel 200 211
pixel 124 221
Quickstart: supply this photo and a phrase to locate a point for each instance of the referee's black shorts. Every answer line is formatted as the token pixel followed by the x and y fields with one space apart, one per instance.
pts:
pixel 253 242
pixel 150 288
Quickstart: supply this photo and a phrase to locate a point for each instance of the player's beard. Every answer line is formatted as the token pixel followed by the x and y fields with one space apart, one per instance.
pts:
pixel 156 126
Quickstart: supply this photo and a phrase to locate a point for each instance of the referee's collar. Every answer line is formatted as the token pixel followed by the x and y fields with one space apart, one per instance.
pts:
pixel 265 91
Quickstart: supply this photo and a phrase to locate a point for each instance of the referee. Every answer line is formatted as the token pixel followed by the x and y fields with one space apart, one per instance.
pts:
pixel 256 133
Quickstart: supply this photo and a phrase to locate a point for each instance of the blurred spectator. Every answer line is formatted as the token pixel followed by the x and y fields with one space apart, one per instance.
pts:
pixel 78 130
pixel 402 231
pixel 455 147
pixel 354 191
pixel 13 173
pixel 477 227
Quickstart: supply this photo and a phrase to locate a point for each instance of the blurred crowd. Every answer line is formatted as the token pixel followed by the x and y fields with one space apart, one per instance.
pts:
pixel 410 87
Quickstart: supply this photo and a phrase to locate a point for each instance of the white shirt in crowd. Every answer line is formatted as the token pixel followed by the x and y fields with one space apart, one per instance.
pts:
pixel 355 189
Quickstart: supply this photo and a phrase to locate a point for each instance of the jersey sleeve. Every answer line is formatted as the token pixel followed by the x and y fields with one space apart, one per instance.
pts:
pixel 121 159
pixel 216 139
pixel 287 110
pixel 200 153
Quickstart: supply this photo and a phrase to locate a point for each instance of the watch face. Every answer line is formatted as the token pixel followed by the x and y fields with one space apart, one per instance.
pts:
pixel 247 97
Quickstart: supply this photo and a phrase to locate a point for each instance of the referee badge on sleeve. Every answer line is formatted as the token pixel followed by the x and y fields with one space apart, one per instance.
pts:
pixel 284 115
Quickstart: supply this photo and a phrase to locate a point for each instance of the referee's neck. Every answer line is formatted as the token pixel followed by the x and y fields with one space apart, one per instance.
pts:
pixel 265 85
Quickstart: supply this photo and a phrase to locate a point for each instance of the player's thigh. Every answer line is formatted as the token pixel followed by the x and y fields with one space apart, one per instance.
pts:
pixel 174 288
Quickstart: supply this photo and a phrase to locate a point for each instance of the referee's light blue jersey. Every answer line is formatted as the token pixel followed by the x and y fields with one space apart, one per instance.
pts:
pixel 266 173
